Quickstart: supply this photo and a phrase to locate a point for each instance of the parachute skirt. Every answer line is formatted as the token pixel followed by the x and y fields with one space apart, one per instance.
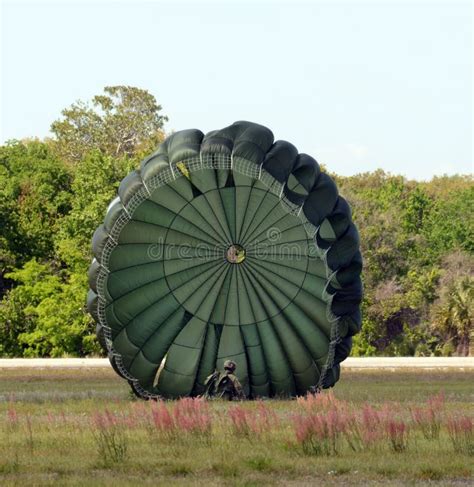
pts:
pixel 284 308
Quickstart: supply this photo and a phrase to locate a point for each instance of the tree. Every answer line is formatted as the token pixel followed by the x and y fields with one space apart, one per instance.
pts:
pixel 452 315
pixel 35 282
pixel 125 121
pixel 34 196
pixel 44 314
pixel 96 180
pixel 411 304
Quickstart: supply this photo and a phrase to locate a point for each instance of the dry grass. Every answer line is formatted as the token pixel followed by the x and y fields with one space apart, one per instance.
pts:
pixel 81 427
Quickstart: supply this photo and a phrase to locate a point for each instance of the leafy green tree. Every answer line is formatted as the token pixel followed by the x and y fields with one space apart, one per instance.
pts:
pixel 124 121
pixel 416 206
pixel 96 181
pixel 407 229
pixel 375 199
pixel 34 196
pixel 53 195
pixel 34 282
pixel 44 316
pixel 452 315
pixel 450 224
pixel 62 324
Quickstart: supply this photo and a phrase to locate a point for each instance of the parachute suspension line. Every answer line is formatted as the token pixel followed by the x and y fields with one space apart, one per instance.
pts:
pixel 126 211
pixel 331 276
pixel 113 240
pixel 172 170
pixel 146 187
pixel 232 161
pixel 108 337
pixel 260 171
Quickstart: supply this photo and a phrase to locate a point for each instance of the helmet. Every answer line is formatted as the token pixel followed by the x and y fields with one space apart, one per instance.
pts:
pixel 230 365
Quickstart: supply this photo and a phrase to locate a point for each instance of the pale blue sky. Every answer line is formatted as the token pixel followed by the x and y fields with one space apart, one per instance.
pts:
pixel 358 85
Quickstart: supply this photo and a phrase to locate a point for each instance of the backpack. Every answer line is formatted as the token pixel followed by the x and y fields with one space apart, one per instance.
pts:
pixel 211 385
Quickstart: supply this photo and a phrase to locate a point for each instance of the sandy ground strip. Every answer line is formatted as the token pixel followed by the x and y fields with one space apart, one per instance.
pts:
pixel 351 363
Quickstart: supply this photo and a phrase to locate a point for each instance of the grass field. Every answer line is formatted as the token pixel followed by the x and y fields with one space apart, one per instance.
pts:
pixel 82 427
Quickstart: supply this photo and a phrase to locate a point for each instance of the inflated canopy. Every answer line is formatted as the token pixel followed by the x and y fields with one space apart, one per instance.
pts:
pixel 223 246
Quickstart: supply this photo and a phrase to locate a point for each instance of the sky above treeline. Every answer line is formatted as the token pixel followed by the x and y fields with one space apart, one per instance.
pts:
pixel 358 85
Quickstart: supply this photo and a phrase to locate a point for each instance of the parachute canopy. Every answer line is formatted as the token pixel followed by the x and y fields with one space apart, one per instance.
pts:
pixel 224 246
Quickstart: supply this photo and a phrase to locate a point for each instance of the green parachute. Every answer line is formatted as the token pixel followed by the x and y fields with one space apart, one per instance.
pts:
pixel 224 246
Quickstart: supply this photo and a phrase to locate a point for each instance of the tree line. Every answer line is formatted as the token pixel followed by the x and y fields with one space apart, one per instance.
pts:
pixel 417 238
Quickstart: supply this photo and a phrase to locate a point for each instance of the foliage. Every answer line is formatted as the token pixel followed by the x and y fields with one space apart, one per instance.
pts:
pixel 410 231
pixel 95 184
pixel 417 238
pixel 35 283
pixel 122 122
pixel 34 196
pixel 452 314
pixel 44 314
